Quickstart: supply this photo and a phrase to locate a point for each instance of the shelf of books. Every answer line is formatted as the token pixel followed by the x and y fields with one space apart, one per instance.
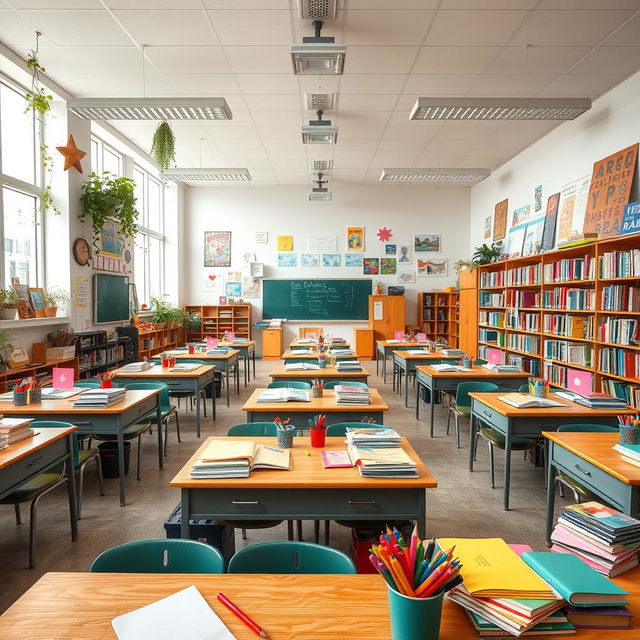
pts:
pixel 215 320
pixel 572 316
pixel 438 315
pixel 155 341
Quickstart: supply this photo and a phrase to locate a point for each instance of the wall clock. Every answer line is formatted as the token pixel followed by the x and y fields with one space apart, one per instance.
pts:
pixel 81 251
pixel 127 256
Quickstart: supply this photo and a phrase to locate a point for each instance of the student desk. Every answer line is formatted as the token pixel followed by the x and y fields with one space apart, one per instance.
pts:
pixel 306 492
pixel 302 412
pixel 314 345
pixel 590 459
pixel 184 381
pixel 328 374
pixel 112 420
pixel 384 349
pixel 511 421
pixel 24 460
pixel 248 352
pixel 430 378
pixel 288 355
pixel 404 363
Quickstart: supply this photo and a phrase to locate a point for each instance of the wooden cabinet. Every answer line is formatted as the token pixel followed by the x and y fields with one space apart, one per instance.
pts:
pixel 438 315
pixel 271 344
pixel 386 315
pixel 364 343
pixel 468 312
pixel 216 319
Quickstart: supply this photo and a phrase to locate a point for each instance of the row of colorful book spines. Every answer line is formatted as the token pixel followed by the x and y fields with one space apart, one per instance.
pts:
pixel 623 390
pixel 570 269
pixel 620 264
pixel 619 330
pixel 619 362
pixel 559 375
pixel 524 276
pixel 530 344
pixel 620 298
pixel 568 352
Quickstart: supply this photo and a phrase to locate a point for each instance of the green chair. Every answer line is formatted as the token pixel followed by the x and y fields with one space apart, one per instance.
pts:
pixel 254 429
pixel 340 428
pixel 167 409
pixel 462 407
pixel 290 557
pixel 478 362
pixel 352 383
pixel 289 384
pixel 87 384
pixel 160 556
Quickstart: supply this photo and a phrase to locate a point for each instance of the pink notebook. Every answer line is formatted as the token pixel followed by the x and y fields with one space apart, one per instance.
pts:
pixel 579 381
pixel 335 460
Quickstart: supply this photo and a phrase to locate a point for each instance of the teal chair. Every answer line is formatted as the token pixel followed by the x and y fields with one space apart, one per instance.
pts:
pixel 160 556
pixel 352 383
pixel 340 428
pixel 462 407
pixel 87 384
pixel 289 384
pixel 290 557
pixel 189 394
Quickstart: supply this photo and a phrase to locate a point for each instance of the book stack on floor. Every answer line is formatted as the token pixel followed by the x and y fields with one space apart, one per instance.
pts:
pixel 137 366
pixel 301 366
pixel 373 438
pixel 607 540
pixel 351 394
pixel 348 365
pixel 99 397
pixel 13 430
pixel 382 463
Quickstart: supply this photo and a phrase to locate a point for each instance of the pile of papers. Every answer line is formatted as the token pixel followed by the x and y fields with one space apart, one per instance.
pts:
pixel 348 365
pixel 373 438
pixel 13 430
pixel 607 540
pixel 341 351
pixel 630 453
pixel 218 351
pixel 418 352
pixel 383 463
pixel 444 367
pixel 60 394
pixel 453 352
pixel 301 366
pixel 284 395
pixel 302 352
pixel 185 366
pixel 99 397
pixel 502 368
pixel 352 394
pixel 137 366
pixel 306 341
pixel 600 401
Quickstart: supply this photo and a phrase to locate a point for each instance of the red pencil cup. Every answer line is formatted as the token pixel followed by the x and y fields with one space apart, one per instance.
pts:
pixel 192 349
pixel 105 384
pixel 172 361
pixel 318 437
pixel 164 363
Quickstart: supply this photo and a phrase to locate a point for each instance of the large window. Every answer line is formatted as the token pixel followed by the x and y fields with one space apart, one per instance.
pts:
pixel 20 190
pixel 149 244
pixel 105 158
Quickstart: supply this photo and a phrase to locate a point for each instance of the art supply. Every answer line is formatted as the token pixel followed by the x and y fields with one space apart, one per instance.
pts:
pixel 105 379
pixel 306 453
pixel 318 430
pixel 285 432
pixel 539 387
pixel 317 388
pixel 629 427
pixel 242 615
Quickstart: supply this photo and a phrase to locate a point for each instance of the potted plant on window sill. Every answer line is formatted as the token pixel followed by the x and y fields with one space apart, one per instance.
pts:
pixel 53 299
pixel 8 304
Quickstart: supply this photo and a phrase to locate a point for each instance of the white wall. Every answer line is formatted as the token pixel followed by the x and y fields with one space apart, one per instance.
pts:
pixel 564 155
pixel 243 210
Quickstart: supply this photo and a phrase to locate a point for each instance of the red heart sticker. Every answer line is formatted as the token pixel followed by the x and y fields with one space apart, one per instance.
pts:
pixel 212 277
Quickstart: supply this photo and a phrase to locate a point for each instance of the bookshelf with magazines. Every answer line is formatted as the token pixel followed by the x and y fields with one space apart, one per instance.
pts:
pixel 571 315
pixel 438 315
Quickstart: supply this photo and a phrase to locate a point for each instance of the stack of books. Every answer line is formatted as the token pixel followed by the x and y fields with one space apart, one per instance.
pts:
pixel 218 351
pixel 302 352
pixel 340 351
pixel 348 365
pixel 338 341
pixel 630 453
pixel 13 430
pixel 453 352
pixel 137 366
pixel 350 394
pixel 502 368
pixel 301 366
pixel 607 540
pixel 185 366
pixel 382 463
pixel 240 340
pixel 599 401
pixel 306 341
pixel 417 352
pixel 373 438
pixel 99 397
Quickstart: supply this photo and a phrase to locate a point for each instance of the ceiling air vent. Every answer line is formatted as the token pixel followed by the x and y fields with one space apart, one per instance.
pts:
pixel 322 166
pixel 317 9
pixel 318 55
pixel 320 192
pixel 319 101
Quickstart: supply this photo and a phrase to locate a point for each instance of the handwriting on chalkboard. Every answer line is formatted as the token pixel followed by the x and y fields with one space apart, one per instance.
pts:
pixel 316 295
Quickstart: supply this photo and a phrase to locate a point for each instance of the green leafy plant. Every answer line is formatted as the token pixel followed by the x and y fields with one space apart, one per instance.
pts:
pixel 161 310
pixel 181 317
pixel 56 297
pixel 8 299
pixel 486 254
pixel 109 197
pixel 6 346
pixel 163 147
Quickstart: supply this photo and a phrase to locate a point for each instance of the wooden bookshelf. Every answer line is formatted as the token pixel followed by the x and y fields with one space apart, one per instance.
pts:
pixel 553 318
pixel 439 315
pixel 155 341
pixel 11 377
pixel 216 319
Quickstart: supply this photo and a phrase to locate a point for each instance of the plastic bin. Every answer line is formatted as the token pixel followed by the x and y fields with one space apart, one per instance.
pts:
pixel 109 458
pixel 363 538
pixel 218 385
pixel 426 396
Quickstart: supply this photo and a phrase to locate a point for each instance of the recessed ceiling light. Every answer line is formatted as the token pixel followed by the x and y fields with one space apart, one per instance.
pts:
pixel 317 9
pixel 434 175
pixel 323 166
pixel 318 58
pixel 212 175
pixel 150 108
pixel 319 135
pixel 320 193
pixel 499 108
pixel 319 101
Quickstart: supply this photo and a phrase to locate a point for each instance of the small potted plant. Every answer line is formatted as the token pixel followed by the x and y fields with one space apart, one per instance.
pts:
pixel 9 300
pixel 161 312
pixel 6 345
pixel 55 298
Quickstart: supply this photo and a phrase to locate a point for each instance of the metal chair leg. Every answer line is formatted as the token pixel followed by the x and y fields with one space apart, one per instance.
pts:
pixel 80 490
pixel 491 462
pixel 17 510
pixel 138 469
pixel 316 531
pixel 327 532
pixel 177 426
pixel 457 431
pixel 448 417
pixel 299 527
pixel 475 447
pixel 290 530
pixel 99 470
pixel 244 534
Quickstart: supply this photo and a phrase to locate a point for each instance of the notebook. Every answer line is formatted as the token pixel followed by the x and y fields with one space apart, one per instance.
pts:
pixel 523 401
pixel 335 459
pixel 284 395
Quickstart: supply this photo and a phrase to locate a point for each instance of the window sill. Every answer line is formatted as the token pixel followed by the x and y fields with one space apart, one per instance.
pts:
pixel 26 323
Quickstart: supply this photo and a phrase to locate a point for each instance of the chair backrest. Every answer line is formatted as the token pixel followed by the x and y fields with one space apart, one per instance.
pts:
pixel 479 361
pixel 290 557
pixel 289 384
pixel 340 428
pixel 465 388
pixel 160 556
pixel 253 429
pixel 165 402
pixel 57 424
pixel 311 332
pixel 353 383
pixel 87 384
pixel 586 428
pixel 524 388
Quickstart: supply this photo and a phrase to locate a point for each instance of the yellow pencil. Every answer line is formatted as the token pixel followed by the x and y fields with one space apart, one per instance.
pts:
pixel 402 576
pixel 306 453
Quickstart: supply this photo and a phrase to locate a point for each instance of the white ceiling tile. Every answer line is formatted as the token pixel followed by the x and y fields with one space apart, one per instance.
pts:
pixel 233 133
pixel 627 35
pixel 362 118
pixel 385 5
pixel 91 60
pixel 167 28
pixel 251 27
pixel 372 102
pixel 267 83
pixel 411 130
pixel 346 176
pixel 194 59
pixel 582 5
pixel 511 86
pixel 394 157
pixel 514 130
pixel 379 59
pixel 277 118
pixel 536 60
pixel 474 28
pixel 83 85
pixel 351 163
pixel 240 119
pixel 431 84
pixel 56 4
pixel 274 144
pixel 489 4
pixel 296 164
pixel 354 83
pixel 272 102
pixel 614 62
pixel 246 5
pixel 353 145
pixel 268 59
pixel 464 130
pixel 389 27
pixel 467 60
pixel 402 144
pixel 358 131
pixel 318 84
pixel 180 5
pixel 240 146
pixel 583 86
pixel 17 31
pixel 284 133
pixel 194 84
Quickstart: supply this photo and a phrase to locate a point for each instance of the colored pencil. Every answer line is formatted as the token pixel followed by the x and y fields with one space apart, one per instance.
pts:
pixel 257 629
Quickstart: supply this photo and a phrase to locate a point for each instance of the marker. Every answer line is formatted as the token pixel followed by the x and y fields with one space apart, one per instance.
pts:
pixel 306 453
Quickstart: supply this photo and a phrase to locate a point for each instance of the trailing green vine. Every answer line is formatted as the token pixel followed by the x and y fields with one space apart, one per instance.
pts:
pixel 163 147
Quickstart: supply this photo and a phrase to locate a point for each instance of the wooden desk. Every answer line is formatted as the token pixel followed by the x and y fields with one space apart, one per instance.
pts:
pixel 314 345
pixel 24 460
pixel 112 420
pixel 306 492
pixel 428 377
pixel 385 349
pixel 302 412
pixel 289 355
pixel 181 381
pixel 590 459
pixel 327 374
pixel 514 422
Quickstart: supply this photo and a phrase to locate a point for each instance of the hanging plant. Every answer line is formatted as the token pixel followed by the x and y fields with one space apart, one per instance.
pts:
pixel 163 148
pixel 109 197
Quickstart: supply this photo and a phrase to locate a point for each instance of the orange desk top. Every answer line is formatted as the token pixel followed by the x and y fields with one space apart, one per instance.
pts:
pixel 22 449
pixel 434 355
pixel 325 404
pixel 288 354
pixel 477 372
pixel 185 355
pixel 164 372
pixel 327 372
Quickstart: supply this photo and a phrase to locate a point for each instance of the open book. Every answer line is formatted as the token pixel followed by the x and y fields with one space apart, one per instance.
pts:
pixel 523 401
pixel 284 395
pixel 301 366
pixel 445 367
pixel 184 366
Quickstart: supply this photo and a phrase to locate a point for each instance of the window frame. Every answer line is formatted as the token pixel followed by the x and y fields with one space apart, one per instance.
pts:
pixel 101 147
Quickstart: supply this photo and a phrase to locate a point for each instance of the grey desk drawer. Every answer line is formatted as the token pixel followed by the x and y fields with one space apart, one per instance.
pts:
pixel 318 503
pixel 423 378
pixel 490 416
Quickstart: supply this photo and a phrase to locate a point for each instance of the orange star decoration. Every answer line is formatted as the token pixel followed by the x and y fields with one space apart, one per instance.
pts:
pixel 384 234
pixel 72 155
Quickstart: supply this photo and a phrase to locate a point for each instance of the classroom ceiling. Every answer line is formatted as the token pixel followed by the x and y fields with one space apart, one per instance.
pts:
pixel 397 51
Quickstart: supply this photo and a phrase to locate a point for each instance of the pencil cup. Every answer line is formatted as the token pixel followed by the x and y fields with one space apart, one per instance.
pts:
pixel 164 364
pixel 192 349
pixel 105 384
pixel 172 361
pixel 318 437
pixel 20 398
pixel 538 391
pixel 35 396
pixel 414 618
pixel 285 438
pixel 629 435
pixel 317 392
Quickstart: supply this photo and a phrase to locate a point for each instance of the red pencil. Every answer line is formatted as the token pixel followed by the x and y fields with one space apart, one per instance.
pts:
pixel 242 615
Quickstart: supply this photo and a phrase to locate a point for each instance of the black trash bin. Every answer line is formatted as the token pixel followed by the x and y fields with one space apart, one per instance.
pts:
pixel 426 396
pixel 218 385
pixel 109 458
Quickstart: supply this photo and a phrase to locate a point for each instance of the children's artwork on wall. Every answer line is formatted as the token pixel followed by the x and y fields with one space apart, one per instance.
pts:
pixel 404 254
pixel 285 243
pixel 537 198
pixel 390 249
pixel 217 248
pixel 573 203
pixel 521 215
pixel 234 276
pixel 371 266
pixel 287 259
pixel 233 289
pixel 500 220
pixel 261 237
pixel 250 288
pixel 426 242
pixel 353 260
pixel 322 243
pixel 256 269
pixel 310 260
pixel 248 257
pixel 331 260
pixel 387 266
pixel 432 267
pixel 222 300
pixel 211 282
pixel 110 242
pixel 355 238
pixel 487 227
pixel 384 234
pixel 406 276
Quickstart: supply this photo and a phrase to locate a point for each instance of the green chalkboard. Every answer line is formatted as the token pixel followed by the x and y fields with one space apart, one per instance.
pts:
pixel 330 299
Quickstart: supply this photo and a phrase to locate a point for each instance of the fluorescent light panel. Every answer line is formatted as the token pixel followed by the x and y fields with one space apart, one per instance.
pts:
pixel 318 58
pixel 434 175
pixel 499 108
pixel 317 9
pixel 319 135
pixel 320 194
pixel 321 166
pixel 150 108
pixel 211 175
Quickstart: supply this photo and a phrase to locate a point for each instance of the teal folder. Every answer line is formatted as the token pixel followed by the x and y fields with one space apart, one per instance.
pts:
pixel 574 580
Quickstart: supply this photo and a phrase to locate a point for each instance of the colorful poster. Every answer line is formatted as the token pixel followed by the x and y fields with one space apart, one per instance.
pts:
pixel 287 259
pixel 426 242
pixel 353 260
pixel 250 288
pixel 573 201
pixel 521 216
pixel 355 238
pixel 500 220
pixel 537 198
pixel 550 220
pixel 533 237
pixel 432 267
pixel 310 260
pixel 515 241
pixel 285 243
pixel 233 289
pixel 631 219
pixel 404 254
pixel 390 249
pixel 217 248
pixel 331 260
pixel 406 276
pixel 110 242
pixel 487 227
pixel 609 192
pixel 211 282
pixel 371 266
pixel 387 266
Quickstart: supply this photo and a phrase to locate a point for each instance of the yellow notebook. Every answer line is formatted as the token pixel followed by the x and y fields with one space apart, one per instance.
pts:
pixel 491 569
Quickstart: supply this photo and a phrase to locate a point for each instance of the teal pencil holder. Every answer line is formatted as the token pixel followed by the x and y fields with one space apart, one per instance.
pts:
pixel 414 618
pixel 629 435
pixel 285 438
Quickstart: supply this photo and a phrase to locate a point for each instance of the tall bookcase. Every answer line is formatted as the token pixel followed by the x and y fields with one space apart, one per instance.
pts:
pixel 439 315
pixel 572 316
pixel 216 319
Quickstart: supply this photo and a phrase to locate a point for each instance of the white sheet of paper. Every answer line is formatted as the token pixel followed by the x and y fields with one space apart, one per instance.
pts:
pixel 185 615
pixel 378 312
